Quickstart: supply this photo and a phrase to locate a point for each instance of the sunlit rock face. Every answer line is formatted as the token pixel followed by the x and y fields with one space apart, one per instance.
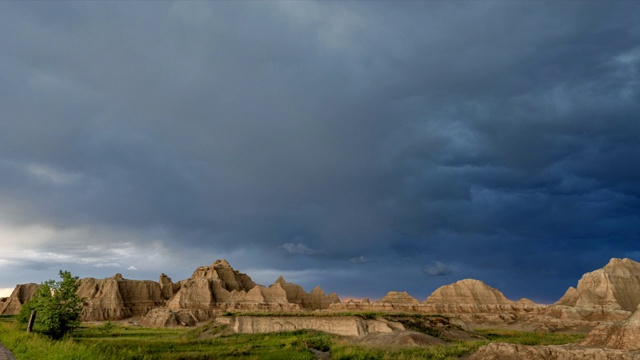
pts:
pixel 209 289
pixel 621 335
pixel 220 287
pixel 21 294
pixel 162 317
pixel 399 297
pixel 602 296
pixel 468 292
pixel 502 351
pixel 117 298
pixel 616 287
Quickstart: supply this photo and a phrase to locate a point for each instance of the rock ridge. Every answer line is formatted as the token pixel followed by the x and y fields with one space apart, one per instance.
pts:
pixel 601 297
pixel 616 286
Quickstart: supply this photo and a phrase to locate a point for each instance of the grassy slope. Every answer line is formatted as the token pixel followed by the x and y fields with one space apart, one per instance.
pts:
pixel 135 343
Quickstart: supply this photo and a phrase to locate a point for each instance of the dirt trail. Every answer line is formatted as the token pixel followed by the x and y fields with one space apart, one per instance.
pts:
pixel 5 354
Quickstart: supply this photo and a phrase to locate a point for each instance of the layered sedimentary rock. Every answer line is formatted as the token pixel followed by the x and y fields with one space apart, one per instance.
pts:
pixel 467 292
pixel 614 287
pixel 399 297
pixel 320 300
pixel 392 301
pixel 316 300
pixel 594 314
pixel 471 300
pixel 604 295
pixel 21 294
pixel 342 325
pixel 501 351
pixel 525 302
pixel 117 298
pixel 397 327
pixel 167 287
pixel 621 335
pixel 230 279
pixel 464 296
pixel 476 303
pixel 162 317
pixel 396 301
pixel 220 287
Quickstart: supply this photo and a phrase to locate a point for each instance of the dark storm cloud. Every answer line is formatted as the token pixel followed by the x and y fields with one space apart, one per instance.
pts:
pixel 497 138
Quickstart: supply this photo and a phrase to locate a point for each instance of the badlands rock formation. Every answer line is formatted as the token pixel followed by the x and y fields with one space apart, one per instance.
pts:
pixel 20 295
pixel 316 300
pixel 468 292
pixel 220 287
pixel 161 317
pixel 398 301
pixel 231 279
pixel 353 326
pixel 622 335
pixel 400 298
pixel 463 297
pixel 339 325
pixel 117 298
pixel 211 288
pixel 614 287
pixel 167 287
pixel 477 303
pixel 601 297
pixel 500 351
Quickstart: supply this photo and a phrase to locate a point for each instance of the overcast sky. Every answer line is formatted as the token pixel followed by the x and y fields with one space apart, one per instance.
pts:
pixel 361 146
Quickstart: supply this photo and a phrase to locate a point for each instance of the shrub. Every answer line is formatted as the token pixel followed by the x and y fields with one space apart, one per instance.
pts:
pixel 58 306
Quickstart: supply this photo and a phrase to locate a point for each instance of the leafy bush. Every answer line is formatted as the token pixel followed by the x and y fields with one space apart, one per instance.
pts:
pixel 58 306
pixel 25 313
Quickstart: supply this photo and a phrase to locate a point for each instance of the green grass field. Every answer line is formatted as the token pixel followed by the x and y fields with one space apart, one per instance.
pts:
pixel 112 341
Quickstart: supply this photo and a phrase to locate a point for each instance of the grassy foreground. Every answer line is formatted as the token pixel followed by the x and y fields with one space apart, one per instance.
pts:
pixel 115 342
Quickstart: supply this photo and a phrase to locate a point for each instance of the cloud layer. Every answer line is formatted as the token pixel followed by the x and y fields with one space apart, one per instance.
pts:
pixel 359 146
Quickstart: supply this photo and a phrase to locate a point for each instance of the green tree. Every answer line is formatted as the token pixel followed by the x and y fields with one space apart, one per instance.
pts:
pixel 58 306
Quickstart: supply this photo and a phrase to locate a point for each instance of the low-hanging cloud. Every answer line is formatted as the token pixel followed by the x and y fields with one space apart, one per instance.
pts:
pixel 301 249
pixel 438 269
pixel 103 265
pixel 361 260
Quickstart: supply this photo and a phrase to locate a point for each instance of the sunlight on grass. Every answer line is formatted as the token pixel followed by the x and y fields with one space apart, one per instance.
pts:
pixel 112 341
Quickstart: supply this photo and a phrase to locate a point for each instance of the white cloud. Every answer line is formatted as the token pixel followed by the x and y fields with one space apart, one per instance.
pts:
pixel 43 247
pixel 42 243
pixel 51 175
pixel 629 57
pixel 100 265
pixel 360 260
pixel 132 268
pixel 301 249
pixel 5 292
